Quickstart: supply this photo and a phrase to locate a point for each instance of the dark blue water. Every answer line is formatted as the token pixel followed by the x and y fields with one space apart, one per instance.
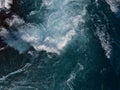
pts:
pixel 61 45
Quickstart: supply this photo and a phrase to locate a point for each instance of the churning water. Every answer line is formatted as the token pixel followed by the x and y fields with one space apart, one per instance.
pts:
pixel 61 45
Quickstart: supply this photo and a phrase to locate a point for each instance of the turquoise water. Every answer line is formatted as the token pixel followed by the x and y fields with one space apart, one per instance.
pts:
pixel 61 45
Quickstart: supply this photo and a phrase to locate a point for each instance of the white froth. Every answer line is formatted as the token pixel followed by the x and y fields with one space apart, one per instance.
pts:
pixel 5 4
pixel 13 40
pixel 52 35
pixel 105 41
pixel 70 81
pixel 113 4
pixel 16 21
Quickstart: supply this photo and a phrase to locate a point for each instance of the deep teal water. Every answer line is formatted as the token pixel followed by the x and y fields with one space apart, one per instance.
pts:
pixel 89 60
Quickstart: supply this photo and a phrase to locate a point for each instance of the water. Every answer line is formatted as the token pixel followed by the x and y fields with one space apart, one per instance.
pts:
pixel 61 45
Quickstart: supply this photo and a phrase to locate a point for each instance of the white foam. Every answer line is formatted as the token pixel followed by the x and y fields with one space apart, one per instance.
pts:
pixel 5 4
pixel 13 40
pixel 14 20
pixel 113 4
pixel 52 35
pixel 105 41
pixel 14 73
pixel 70 81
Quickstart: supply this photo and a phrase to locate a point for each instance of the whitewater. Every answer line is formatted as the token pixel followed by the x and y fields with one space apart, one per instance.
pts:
pixel 58 27
pixel 59 45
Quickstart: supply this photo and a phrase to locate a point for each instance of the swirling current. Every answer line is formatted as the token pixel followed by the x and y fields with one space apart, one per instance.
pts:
pixel 59 45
